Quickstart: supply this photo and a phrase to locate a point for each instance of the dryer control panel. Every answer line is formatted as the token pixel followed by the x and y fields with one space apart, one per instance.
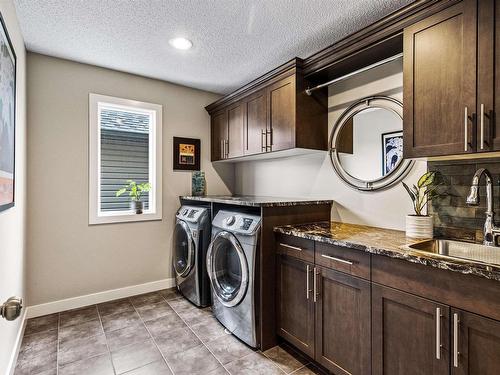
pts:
pixel 191 213
pixel 237 222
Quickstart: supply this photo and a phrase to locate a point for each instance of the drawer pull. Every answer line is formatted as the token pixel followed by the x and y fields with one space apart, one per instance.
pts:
pixel 290 247
pixel 337 259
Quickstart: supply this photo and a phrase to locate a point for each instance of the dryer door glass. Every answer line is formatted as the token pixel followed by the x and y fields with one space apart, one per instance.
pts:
pixel 183 249
pixel 228 269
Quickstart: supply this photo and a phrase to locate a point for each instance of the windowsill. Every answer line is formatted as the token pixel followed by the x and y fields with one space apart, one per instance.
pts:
pixel 123 217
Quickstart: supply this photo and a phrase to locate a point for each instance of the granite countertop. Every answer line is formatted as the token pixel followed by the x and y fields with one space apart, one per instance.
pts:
pixel 385 242
pixel 257 201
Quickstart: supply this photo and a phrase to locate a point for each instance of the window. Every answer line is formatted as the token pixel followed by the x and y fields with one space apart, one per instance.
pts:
pixel 125 144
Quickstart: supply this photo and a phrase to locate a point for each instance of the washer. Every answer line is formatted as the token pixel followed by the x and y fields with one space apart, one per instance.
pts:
pixel 232 268
pixel 191 240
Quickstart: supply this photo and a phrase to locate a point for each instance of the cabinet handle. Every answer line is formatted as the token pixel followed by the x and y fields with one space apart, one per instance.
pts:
pixel 482 126
pixel 456 321
pixel 262 141
pixel 466 129
pixel 290 246
pixel 222 149
pixel 307 281
pixel 337 259
pixel 438 333
pixel 227 148
pixel 270 132
pixel 315 287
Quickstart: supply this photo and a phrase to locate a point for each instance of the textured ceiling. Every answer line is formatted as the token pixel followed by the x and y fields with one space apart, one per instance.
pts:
pixel 234 41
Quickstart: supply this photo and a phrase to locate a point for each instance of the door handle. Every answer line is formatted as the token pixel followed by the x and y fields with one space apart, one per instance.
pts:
pixel 307 281
pixel 456 321
pixel 315 286
pixel 438 333
pixel 11 309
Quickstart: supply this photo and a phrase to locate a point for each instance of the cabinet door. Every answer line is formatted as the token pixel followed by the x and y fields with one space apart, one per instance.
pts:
pixel 256 124
pixel 236 125
pixel 281 99
pixel 440 83
pixel 409 334
pixel 295 306
pixel 475 344
pixel 343 336
pixel 488 98
pixel 219 134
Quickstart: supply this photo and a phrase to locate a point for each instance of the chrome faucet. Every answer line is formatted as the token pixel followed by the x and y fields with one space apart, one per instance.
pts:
pixel 491 231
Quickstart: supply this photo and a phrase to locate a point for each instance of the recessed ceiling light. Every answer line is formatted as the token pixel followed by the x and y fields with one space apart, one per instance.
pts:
pixel 181 43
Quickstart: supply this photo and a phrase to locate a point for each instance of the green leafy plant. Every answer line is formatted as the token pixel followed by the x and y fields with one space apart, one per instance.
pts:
pixel 134 189
pixel 426 189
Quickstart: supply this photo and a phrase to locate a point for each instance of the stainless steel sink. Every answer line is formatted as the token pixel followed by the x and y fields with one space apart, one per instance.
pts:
pixel 458 249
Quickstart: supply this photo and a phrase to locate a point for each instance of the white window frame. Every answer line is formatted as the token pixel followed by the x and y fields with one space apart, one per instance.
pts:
pixel 154 211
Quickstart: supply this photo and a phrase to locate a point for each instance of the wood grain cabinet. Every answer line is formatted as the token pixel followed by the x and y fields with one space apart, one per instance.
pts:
pixel 439 83
pixel 342 322
pixel 295 305
pixel 410 334
pixel 321 311
pixel 270 114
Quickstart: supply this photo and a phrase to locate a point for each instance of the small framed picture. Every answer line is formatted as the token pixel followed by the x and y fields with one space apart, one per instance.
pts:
pixel 186 154
pixel 392 151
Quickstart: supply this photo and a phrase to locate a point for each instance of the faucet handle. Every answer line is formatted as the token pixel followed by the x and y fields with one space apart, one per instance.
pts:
pixel 473 197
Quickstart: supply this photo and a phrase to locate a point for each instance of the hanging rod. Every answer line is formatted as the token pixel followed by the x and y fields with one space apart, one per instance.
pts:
pixel 348 75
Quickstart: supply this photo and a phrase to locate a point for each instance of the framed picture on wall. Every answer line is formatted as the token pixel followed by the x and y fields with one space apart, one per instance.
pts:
pixel 186 154
pixel 7 118
pixel 392 150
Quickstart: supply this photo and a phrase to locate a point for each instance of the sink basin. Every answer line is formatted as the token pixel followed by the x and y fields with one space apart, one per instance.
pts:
pixel 458 249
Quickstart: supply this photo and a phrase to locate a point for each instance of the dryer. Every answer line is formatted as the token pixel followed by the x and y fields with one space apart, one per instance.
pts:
pixel 232 260
pixel 190 241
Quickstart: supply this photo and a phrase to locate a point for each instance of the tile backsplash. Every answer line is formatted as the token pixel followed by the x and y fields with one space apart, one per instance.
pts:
pixel 452 217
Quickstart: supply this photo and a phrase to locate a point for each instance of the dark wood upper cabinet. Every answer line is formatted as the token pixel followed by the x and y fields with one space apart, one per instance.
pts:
pixel 343 323
pixel 475 344
pixel 440 83
pixel 410 334
pixel 295 306
pixel 488 75
pixel 219 135
pixel 256 125
pixel 281 98
pixel 277 115
pixel 236 124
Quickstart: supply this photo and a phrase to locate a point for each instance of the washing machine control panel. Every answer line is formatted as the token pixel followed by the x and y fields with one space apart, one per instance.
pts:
pixel 190 213
pixel 237 222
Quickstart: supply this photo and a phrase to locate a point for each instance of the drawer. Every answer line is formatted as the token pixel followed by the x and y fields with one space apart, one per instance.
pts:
pixel 295 247
pixel 352 262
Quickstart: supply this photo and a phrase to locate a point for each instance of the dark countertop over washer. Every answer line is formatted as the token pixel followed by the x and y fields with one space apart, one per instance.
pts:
pixel 387 242
pixel 256 201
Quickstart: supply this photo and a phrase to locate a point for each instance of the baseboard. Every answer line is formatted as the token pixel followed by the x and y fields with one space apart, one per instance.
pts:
pixel 11 367
pixel 91 299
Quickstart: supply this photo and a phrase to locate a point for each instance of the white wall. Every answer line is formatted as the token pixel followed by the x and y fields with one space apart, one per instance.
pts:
pixel 12 221
pixel 313 175
pixel 67 257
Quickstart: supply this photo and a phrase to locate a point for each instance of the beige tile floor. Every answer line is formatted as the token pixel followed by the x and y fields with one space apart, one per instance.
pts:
pixel 154 333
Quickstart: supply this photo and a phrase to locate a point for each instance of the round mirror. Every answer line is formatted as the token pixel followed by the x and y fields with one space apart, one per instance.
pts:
pixel 366 144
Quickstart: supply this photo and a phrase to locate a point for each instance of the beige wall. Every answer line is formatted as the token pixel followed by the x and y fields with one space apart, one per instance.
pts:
pixel 313 175
pixel 67 257
pixel 12 221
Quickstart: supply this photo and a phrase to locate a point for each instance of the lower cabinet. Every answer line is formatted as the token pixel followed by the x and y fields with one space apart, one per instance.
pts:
pixel 325 314
pixel 295 304
pixel 409 334
pixel 342 322
pixel 475 344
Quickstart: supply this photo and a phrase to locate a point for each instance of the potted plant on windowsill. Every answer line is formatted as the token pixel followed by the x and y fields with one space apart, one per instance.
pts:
pixel 135 192
pixel 420 225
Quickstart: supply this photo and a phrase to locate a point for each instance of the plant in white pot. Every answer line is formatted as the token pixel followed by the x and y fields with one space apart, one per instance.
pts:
pixel 420 225
pixel 135 192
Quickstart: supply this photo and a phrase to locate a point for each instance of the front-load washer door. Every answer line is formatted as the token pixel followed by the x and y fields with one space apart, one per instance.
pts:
pixel 227 269
pixel 183 249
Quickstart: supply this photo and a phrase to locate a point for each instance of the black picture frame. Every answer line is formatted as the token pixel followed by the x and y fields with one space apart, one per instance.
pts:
pixel 5 39
pixel 385 137
pixel 186 154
